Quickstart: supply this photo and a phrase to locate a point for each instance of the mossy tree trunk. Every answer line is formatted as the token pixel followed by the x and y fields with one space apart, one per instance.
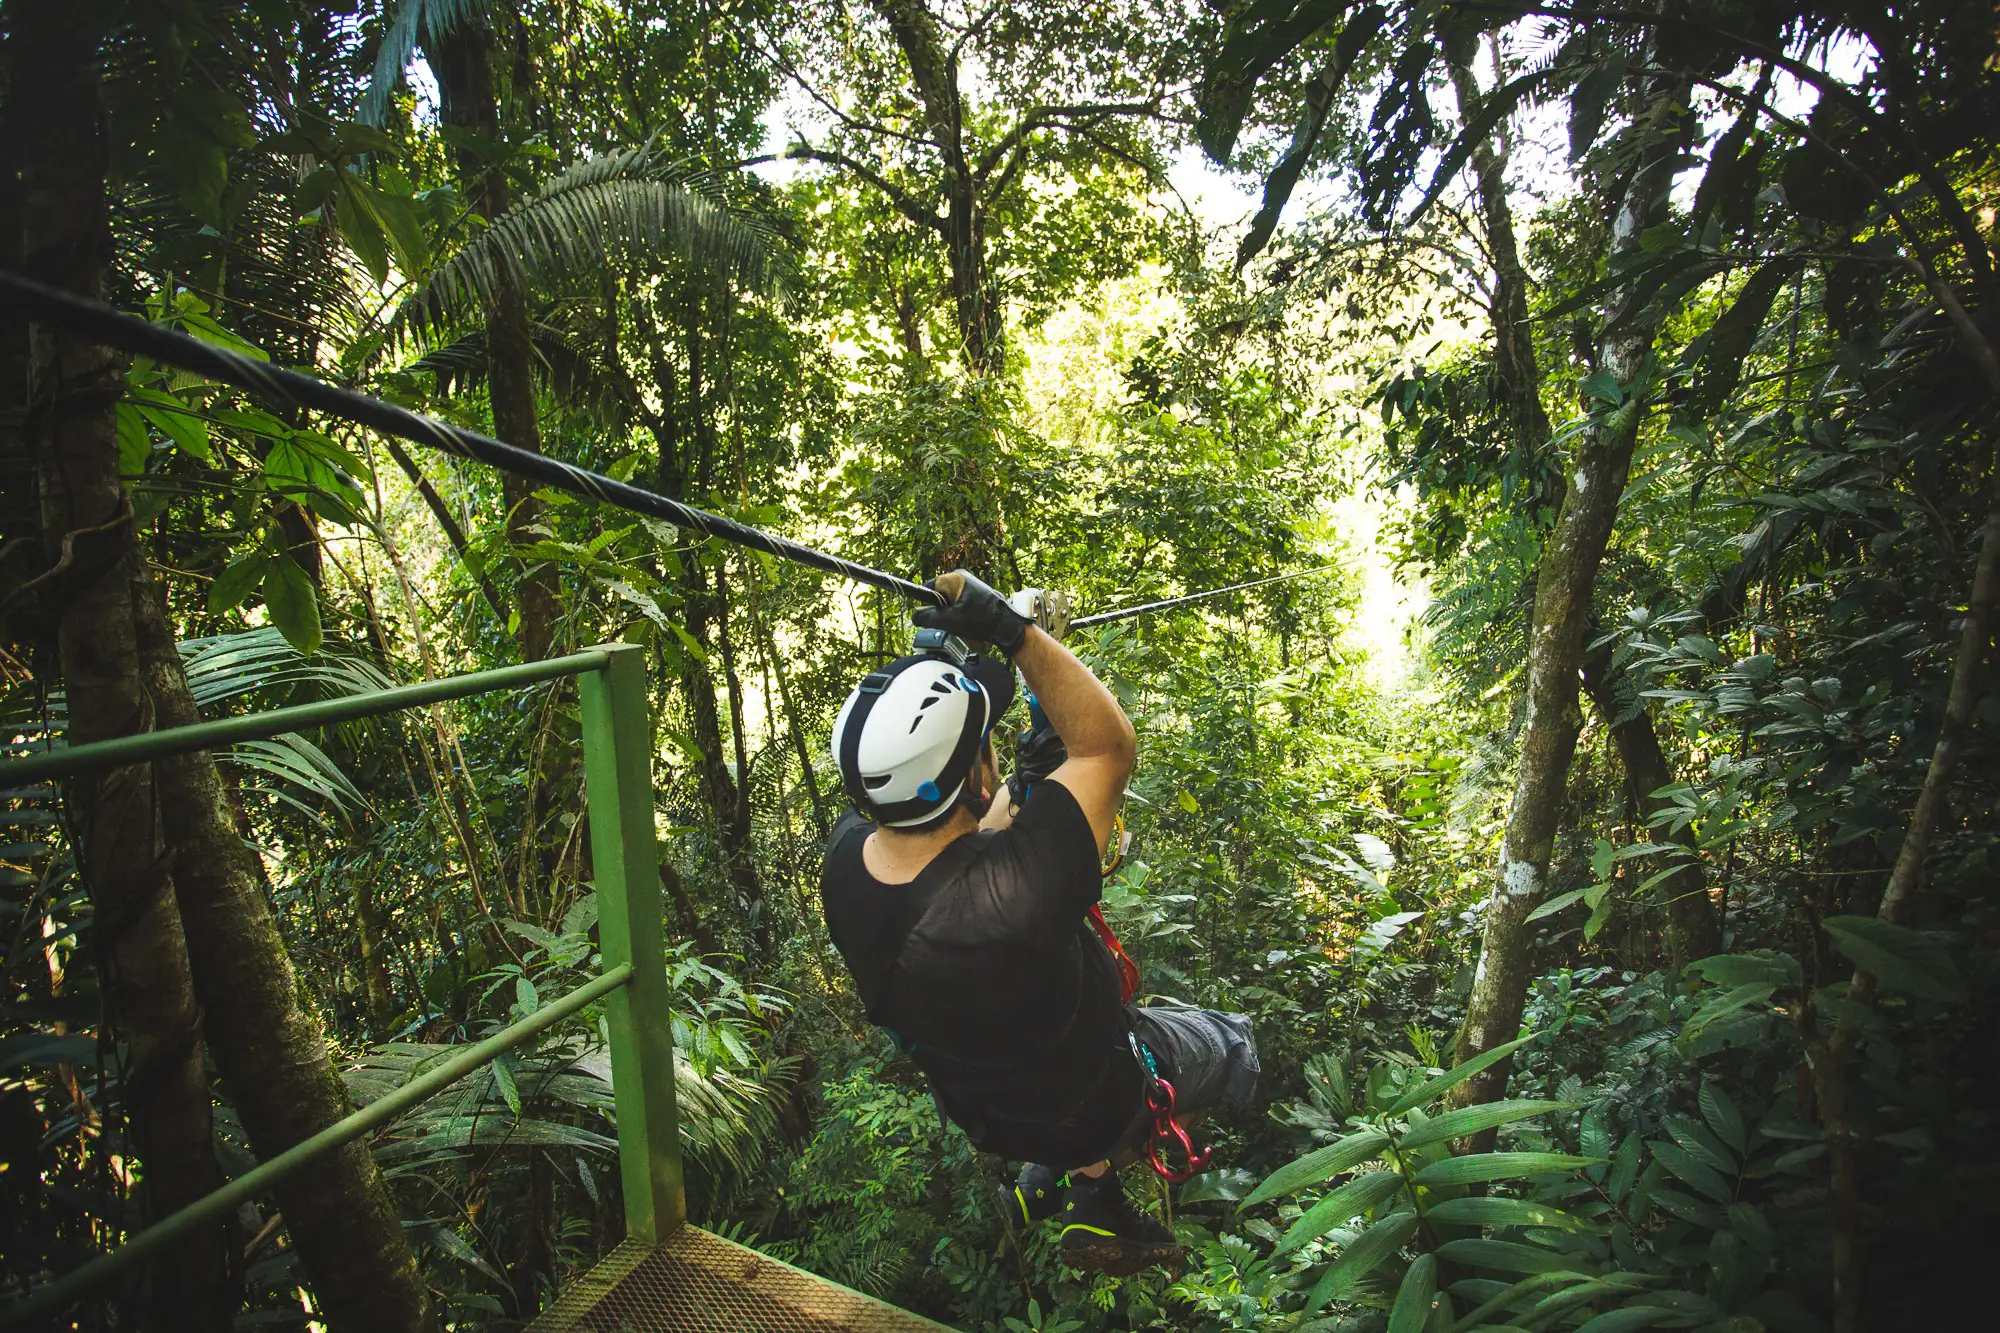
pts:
pixel 270 1048
pixel 91 581
pixel 1560 626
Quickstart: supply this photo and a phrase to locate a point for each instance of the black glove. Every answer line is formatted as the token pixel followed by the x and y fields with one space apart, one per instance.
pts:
pixel 1038 753
pixel 974 611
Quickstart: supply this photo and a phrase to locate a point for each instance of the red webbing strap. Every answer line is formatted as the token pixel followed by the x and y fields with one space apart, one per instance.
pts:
pixel 1128 971
pixel 1166 1129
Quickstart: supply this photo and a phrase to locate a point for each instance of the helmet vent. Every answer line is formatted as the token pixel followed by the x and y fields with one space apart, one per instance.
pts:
pixel 876 781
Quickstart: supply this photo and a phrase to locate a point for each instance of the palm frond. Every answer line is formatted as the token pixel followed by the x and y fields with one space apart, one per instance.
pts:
pixel 619 205
pixel 224 666
pixel 259 661
pixel 411 21
pixel 724 1117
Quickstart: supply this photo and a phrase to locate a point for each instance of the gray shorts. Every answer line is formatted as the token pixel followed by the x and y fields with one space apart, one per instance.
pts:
pixel 1209 1057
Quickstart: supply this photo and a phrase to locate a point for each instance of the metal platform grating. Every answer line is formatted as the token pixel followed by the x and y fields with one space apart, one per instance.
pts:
pixel 697 1282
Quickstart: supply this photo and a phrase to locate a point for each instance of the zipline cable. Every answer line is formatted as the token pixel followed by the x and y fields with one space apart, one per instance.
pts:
pixel 171 347
pixel 1126 613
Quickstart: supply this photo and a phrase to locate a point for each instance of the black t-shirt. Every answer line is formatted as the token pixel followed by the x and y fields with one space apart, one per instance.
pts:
pixel 985 967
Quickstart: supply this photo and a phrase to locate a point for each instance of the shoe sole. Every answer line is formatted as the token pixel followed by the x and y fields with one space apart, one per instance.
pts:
pixel 1114 1256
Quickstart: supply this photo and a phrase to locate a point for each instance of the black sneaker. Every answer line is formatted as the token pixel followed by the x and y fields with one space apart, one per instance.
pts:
pixel 1103 1232
pixel 1037 1195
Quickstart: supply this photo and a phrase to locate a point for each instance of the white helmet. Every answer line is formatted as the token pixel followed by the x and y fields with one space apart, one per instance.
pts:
pixel 906 739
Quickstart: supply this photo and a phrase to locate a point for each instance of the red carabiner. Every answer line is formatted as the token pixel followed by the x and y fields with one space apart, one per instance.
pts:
pixel 1166 1131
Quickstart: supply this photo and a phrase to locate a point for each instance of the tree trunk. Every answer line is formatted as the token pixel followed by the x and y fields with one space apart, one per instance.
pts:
pixel 1517 374
pixel 462 62
pixel 380 1001
pixel 934 78
pixel 94 573
pixel 1560 623
pixel 270 1049
pixel 1693 929
pixel 973 538
pixel 740 833
pixel 769 648
pixel 725 799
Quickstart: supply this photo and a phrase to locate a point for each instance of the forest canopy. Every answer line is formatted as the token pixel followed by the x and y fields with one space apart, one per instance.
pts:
pixel 1592 798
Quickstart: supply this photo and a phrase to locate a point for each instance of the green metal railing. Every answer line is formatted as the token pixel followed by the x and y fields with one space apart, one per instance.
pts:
pixel 617 745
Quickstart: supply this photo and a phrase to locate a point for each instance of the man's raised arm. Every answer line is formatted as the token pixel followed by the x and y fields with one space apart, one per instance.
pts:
pixel 1094 729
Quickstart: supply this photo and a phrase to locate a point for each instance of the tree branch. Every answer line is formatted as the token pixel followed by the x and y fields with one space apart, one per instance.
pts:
pixel 1047 117
pixel 905 203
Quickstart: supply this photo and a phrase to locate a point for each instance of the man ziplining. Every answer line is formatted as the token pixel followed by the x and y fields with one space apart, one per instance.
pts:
pixel 963 920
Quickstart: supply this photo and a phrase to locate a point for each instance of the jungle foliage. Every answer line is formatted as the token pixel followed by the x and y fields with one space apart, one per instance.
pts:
pixel 1617 928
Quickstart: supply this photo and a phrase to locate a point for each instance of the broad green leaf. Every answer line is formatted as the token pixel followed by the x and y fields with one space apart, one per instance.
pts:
pixel 362 232
pixel 1495 1296
pixel 1556 904
pixel 1624 1167
pixel 1506 1256
pixel 1362 1257
pixel 293 602
pixel 1743 969
pixel 1492 1211
pixel 1690 1168
pixel 238 579
pixel 503 1079
pixel 455 1245
pixel 1348 1202
pixel 1687 1207
pixel 1412 1309
pixel 1322 1164
pixel 1903 960
pixel 188 432
pixel 1728 1002
pixel 1603 386
pixel 1618 1321
pixel 1590 101
pixel 1722 1115
pixel 1471 1119
pixel 1428 1091
pixel 1698 1139
pixel 1475 1167
pixel 1229 1185
pixel 135 443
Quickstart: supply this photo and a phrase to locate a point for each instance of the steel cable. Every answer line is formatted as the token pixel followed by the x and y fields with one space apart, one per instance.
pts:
pixel 172 347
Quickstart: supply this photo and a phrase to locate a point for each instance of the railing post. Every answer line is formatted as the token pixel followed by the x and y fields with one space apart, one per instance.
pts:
pixel 618 773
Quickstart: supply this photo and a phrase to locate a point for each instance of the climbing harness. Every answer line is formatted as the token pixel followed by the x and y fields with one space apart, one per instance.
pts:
pixel 1128 971
pixel 1166 1130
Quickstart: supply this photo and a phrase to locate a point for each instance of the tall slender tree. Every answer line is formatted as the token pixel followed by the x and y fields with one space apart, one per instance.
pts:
pixel 92 581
